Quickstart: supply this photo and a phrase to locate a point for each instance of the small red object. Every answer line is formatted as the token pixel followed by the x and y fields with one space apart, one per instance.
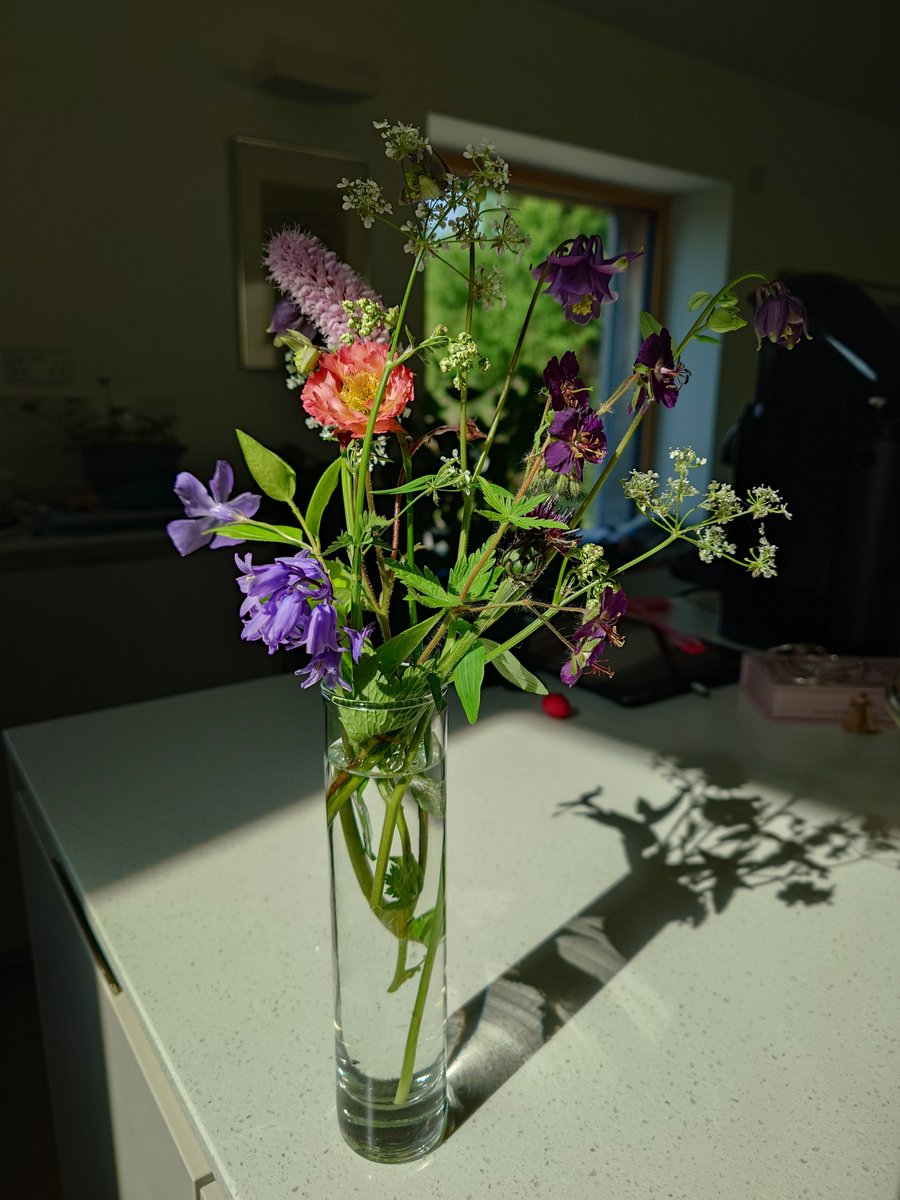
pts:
pixel 555 704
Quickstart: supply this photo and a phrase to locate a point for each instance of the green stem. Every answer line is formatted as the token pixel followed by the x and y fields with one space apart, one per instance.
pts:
pixel 384 846
pixel 355 849
pixel 610 463
pixel 435 936
pixel 710 307
pixel 464 397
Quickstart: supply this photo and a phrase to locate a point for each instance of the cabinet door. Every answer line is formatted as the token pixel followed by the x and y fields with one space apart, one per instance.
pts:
pixel 120 1130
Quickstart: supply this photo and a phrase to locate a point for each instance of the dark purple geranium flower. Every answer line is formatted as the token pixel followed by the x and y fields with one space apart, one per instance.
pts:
pixel 578 276
pixel 779 316
pixel 577 437
pixel 661 377
pixel 589 640
pixel 290 603
pixel 554 537
pixel 564 383
pixel 207 510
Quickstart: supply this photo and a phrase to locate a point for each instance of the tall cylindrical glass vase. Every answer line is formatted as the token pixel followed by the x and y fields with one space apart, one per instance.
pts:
pixel 385 799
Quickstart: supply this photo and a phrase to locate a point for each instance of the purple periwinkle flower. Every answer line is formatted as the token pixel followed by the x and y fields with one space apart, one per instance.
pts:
pixel 563 381
pixel 660 376
pixel 207 510
pixel 290 603
pixel 779 316
pixel 589 640
pixel 576 437
pixel 578 276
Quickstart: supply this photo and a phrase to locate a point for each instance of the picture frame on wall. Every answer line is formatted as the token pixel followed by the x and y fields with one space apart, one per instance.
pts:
pixel 276 186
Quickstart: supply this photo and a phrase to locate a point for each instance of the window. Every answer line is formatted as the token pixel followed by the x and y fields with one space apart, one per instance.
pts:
pixel 551 208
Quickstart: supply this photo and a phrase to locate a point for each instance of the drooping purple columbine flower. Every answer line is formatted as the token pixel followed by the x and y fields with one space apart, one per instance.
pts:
pixel 779 316
pixel 290 603
pixel 563 381
pixel 589 640
pixel 578 276
pixel 207 510
pixel 577 437
pixel 661 378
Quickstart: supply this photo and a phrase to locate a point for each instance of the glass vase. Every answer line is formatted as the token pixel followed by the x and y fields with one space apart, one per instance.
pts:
pixel 385 800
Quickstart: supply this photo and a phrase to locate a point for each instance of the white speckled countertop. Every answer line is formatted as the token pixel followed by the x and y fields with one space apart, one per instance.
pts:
pixel 755 1055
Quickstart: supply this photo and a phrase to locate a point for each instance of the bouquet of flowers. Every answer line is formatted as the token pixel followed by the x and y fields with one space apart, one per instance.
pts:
pixel 383 634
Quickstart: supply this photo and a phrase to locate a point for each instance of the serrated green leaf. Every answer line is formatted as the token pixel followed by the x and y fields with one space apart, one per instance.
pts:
pixel 535 522
pixel 511 669
pixel 321 495
pixel 697 300
pixel 649 324
pixel 424 584
pixel 404 880
pixel 527 503
pixel 498 498
pixel 389 656
pixel 482 585
pixel 276 478
pixel 467 679
pixel 262 532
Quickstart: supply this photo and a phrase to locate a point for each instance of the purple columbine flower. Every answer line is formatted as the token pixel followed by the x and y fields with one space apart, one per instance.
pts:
pixel 288 315
pixel 779 316
pixel 577 437
pixel 589 640
pixel 578 276
pixel 564 383
pixel 290 603
pixel 660 376
pixel 206 510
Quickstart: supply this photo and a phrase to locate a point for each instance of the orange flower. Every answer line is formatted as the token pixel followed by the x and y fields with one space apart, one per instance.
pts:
pixel 340 392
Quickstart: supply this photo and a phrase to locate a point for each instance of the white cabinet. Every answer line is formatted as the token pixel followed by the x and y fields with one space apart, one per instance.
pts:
pixel 121 1131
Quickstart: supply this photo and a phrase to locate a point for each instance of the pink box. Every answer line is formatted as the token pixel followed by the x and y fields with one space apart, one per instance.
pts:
pixel 819 687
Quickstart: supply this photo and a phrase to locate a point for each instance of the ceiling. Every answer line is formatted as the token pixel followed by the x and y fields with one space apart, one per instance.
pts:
pixel 844 54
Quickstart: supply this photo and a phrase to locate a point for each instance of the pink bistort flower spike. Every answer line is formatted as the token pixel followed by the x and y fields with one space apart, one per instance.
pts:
pixel 318 281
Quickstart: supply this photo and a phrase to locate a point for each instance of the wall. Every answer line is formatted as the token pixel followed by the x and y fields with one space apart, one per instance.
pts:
pixel 117 223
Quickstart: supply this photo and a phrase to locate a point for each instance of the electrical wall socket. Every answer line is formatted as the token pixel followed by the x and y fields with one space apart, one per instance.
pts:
pixel 37 364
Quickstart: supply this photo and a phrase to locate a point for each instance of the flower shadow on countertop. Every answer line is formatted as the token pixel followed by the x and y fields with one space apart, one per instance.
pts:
pixel 688 857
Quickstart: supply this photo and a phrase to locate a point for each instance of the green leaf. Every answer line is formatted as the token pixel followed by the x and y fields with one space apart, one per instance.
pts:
pixel 390 655
pixel 698 300
pixel 365 824
pixel 468 678
pixel 404 880
pixel 425 584
pixel 428 794
pixel 705 337
pixel 261 532
pixel 272 473
pixel 649 324
pixel 484 582
pixel 510 668
pixel 415 485
pixel 498 498
pixel 724 320
pixel 420 927
pixel 321 495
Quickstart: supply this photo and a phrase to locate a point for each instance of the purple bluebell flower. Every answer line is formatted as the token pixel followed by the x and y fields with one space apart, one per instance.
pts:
pixel 290 603
pixel 589 640
pixel 578 276
pixel 577 437
pixel 563 381
pixel 207 510
pixel 779 316
pixel 660 376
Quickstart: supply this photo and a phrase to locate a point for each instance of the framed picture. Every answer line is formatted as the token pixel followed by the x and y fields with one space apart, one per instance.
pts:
pixel 277 185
